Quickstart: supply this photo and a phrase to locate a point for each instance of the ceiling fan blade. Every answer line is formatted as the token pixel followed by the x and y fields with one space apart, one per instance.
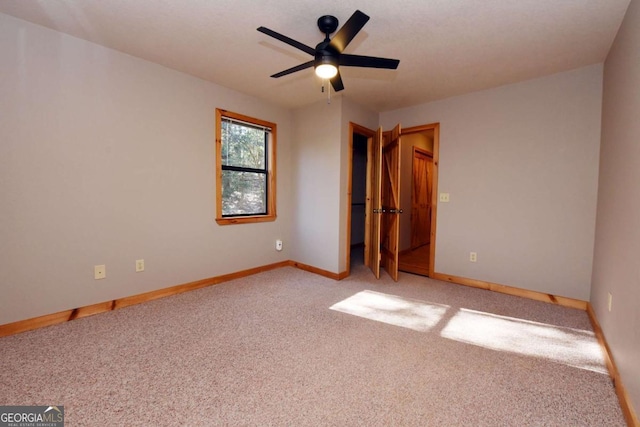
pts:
pixel 336 82
pixel 293 69
pixel 368 61
pixel 288 40
pixel 349 30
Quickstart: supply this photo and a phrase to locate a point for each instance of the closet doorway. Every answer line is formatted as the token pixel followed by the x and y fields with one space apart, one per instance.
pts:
pixel 415 206
pixel 417 196
pixel 358 194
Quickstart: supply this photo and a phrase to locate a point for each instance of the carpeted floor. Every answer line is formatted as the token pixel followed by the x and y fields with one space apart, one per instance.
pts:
pixel 287 347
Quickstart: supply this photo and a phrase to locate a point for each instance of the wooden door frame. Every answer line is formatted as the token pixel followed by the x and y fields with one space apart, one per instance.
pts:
pixel 355 128
pixel 429 154
pixel 369 134
pixel 434 190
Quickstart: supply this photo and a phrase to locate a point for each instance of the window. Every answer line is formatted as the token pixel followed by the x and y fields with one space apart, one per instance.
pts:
pixel 245 166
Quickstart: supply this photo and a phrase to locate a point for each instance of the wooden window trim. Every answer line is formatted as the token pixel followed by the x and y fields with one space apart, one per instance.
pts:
pixel 271 168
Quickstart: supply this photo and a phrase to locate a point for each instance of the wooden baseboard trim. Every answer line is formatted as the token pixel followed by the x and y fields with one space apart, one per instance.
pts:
pixel 611 367
pixel 406 268
pixel 343 275
pixel 510 290
pixel 90 310
pixel 320 271
pixel 621 391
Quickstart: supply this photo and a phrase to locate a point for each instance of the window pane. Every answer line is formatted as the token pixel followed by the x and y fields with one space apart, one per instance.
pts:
pixel 242 146
pixel 244 193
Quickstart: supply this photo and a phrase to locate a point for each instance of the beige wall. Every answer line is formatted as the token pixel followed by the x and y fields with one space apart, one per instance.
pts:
pixel 521 165
pixel 315 185
pixel 617 247
pixel 106 159
pixel 320 172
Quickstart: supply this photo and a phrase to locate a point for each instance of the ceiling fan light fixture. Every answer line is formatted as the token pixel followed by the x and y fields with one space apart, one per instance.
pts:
pixel 326 71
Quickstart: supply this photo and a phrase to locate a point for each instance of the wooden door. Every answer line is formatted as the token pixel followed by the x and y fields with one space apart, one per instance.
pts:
pixel 390 233
pixel 374 168
pixel 421 198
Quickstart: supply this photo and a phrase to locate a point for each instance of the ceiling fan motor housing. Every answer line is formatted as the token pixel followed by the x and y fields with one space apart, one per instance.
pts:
pixel 326 54
pixel 328 24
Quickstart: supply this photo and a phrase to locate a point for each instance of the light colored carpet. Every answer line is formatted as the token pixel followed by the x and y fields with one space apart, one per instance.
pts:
pixel 287 347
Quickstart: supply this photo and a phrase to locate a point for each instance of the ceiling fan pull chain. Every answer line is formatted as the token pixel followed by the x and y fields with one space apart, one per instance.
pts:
pixel 326 82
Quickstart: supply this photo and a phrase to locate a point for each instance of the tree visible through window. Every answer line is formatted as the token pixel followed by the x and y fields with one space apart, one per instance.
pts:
pixel 244 169
pixel 245 153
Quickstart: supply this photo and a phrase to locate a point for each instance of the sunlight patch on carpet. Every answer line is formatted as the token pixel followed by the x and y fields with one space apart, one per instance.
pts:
pixel 568 346
pixel 393 310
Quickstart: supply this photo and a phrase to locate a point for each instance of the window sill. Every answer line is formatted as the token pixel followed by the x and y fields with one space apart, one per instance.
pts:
pixel 245 219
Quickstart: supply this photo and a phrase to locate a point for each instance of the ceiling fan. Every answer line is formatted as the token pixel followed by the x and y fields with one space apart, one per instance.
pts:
pixel 328 53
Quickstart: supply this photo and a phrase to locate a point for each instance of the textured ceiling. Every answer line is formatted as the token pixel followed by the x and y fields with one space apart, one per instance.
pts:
pixel 445 47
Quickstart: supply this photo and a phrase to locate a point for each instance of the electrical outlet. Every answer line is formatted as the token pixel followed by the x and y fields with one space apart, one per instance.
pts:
pixel 473 257
pixel 278 245
pixel 139 265
pixel 444 197
pixel 609 301
pixel 99 272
